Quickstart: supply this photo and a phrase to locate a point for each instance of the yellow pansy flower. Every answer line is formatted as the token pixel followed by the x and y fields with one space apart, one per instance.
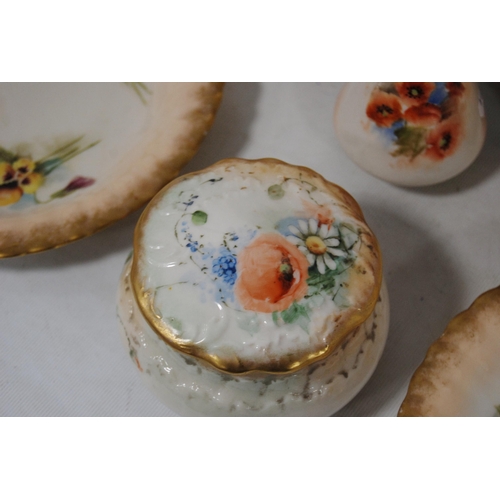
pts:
pixel 31 182
pixel 6 172
pixel 24 166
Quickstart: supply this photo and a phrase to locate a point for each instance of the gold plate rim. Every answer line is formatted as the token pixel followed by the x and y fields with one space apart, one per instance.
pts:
pixel 49 234
pixel 442 352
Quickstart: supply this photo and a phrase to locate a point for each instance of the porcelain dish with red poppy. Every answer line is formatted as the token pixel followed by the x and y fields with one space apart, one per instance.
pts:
pixel 460 375
pixel 412 134
pixel 76 157
pixel 255 288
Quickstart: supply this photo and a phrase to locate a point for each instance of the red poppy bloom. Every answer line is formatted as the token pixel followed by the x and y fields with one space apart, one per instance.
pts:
pixel 414 93
pixel 426 114
pixel 384 109
pixel 322 213
pixel 443 140
pixel 272 274
pixel 455 89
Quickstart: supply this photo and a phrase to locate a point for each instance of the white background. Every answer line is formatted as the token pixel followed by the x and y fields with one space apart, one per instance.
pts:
pixel 60 352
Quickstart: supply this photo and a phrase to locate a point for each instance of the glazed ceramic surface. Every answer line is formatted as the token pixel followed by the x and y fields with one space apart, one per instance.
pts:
pixel 60 354
pixel 76 157
pixel 257 284
pixel 412 134
pixel 460 375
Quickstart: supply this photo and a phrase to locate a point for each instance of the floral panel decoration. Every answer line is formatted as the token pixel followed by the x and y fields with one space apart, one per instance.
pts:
pixel 21 175
pixel 418 119
pixel 252 263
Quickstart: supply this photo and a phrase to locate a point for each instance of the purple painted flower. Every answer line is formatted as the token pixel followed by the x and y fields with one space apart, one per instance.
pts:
pixel 78 183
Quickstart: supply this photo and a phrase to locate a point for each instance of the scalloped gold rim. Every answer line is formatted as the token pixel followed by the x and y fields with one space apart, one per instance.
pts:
pixel 55 236
pixel 422 380
pixel 144 301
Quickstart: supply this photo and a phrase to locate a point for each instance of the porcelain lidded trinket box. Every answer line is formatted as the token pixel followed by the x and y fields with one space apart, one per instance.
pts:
pixel 411 134
pixel 255 289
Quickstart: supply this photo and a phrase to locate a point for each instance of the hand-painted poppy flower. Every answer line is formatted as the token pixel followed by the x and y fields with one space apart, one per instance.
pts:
pixel 424 114
pixel 10 194
pixel 323 213
pixel 414 93
pixel 443 140
pixel 455 89
pixel 272 274
pixel 451 106
pixel 384 109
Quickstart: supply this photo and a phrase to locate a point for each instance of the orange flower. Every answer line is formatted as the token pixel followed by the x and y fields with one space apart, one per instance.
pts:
pixel 10 195
pixel 384 109
pixel 272 274
pixel 424 114
pixel 414 93
pixel 443 140
pixel 455 89
pixel 320 212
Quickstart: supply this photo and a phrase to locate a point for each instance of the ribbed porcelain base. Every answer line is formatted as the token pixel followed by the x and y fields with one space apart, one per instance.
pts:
pixel 191 388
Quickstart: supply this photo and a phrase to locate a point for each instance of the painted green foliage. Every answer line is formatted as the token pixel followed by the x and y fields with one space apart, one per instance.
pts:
pixel 287 271
pixel 422 118
pixel 20 175
pixel 199 218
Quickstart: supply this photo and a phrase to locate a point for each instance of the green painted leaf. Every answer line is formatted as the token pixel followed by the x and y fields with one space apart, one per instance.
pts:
pixel 411 141
pixel 59 194
pixel 323 281
pixel 297 314
pixel 275 192
pixel 141 89
pixel 348 235
pixel 199 218
pixel 46 167
pixel 294 312
pixel 7 156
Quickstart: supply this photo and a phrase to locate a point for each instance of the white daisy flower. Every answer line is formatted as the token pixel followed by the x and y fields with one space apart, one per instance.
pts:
pixel 317 242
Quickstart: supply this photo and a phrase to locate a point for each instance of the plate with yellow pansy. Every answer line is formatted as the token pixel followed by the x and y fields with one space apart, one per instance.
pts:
pixel 460 375
pixel 75 157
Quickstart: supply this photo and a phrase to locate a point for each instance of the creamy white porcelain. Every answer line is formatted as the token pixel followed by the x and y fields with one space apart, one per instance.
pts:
pixel 254 290
pixel 75 157
pixel 193 388
pixel 460 375
pixel 411 134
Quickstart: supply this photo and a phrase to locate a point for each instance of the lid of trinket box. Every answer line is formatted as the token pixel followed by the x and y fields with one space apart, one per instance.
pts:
pixel 255 265
pixel 75 157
